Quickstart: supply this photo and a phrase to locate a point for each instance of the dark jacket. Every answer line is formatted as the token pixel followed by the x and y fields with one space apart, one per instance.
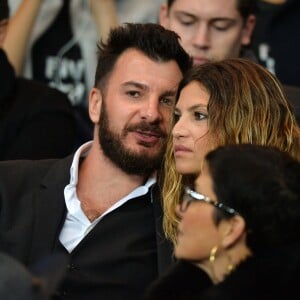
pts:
pixel 293 94
pixel 181 281
pixel 32 213
pixel 36 121
pixel 272 275
pixel 275 39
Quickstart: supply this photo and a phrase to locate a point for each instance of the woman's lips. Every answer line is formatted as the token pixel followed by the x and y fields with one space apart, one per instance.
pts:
pixel 181 148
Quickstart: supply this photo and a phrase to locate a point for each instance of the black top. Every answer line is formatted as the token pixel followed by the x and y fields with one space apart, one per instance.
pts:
pixel 270 275
pixel 57 59
pixel 119 256
pixel 276 39
pixel 36 121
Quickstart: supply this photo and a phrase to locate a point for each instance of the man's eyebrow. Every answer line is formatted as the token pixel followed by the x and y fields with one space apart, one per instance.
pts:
pixel 169 93
pixel 184 13
pixel 142 86
pixel 135 84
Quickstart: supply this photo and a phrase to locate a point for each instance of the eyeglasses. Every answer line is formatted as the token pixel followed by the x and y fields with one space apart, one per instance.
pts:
pixel 192 196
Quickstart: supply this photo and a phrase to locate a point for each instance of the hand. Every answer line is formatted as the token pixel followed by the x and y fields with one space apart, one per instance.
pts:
pixel 105 15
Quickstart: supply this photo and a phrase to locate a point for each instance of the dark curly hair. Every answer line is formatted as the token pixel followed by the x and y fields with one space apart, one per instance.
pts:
pixel 262 184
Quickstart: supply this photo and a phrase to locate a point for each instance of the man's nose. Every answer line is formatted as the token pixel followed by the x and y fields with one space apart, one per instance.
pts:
pixel 201 38
pixel 151 111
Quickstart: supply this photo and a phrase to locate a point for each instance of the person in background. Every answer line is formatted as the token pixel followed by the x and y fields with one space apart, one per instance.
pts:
pixel 137 11
pixel 55 42
pixel 238 236
pixel 18 282
pixel 275 39
pixel 36 121
pixel 233 101
pixel 211 30
pixel 101 206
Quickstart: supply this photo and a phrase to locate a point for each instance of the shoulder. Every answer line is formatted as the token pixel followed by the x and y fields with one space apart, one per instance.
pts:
pixel 182 280
pixel 33 92
pixel 274 274
pixel 20 173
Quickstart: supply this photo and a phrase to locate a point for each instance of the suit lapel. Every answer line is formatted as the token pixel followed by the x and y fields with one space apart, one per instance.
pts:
pixel 49 209
pixel 164 246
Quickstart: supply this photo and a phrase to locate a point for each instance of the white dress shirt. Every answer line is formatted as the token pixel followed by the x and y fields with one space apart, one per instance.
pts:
pixel 77 225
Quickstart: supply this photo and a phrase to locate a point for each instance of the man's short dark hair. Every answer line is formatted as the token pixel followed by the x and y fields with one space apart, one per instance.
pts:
pixel 4 10
pixel 153 40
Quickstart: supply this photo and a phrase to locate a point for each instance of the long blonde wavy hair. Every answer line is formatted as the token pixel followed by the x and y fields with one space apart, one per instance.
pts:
pixel 247 104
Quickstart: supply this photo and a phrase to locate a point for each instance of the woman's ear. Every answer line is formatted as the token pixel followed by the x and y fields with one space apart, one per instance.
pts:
pixel 95 102
pixel 232 230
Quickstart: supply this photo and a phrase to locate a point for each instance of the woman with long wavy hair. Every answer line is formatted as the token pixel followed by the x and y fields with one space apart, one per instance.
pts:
pixel 234 101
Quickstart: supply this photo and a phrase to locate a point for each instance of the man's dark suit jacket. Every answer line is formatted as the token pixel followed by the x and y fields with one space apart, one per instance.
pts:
pixel 36 121
pixel 32 210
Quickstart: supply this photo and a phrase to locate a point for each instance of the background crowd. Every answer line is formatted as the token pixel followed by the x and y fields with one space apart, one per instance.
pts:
pixel 126 127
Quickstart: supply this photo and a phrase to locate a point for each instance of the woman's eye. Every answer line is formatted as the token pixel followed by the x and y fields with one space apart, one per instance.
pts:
pixel 200 116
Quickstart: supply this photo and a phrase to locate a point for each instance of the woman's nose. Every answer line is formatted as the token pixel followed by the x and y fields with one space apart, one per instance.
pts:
pixel 178 130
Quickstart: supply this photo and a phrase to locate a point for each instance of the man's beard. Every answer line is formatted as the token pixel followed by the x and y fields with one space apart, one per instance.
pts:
pixel 127 160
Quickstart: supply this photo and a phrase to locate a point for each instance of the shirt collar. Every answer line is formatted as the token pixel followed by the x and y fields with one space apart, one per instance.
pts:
pixel 83 151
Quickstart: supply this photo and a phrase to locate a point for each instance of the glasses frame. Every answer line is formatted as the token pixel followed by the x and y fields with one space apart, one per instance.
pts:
pixel 195 196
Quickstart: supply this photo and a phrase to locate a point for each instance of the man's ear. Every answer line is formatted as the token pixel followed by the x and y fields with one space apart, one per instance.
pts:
pixel 232 230
pixel 95 102
pixel 248 30
pixel 163 15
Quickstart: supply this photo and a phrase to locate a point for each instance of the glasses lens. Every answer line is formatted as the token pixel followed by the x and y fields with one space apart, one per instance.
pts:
pixel 185 201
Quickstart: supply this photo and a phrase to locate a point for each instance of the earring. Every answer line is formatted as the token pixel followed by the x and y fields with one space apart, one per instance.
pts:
pixel 230 266
pixel 212 258
pixel 212 255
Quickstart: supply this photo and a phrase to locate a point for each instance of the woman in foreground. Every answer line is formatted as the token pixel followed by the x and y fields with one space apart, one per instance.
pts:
pixel 238 236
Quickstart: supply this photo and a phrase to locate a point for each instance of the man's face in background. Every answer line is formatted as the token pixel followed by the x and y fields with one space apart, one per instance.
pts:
pixel 210 30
